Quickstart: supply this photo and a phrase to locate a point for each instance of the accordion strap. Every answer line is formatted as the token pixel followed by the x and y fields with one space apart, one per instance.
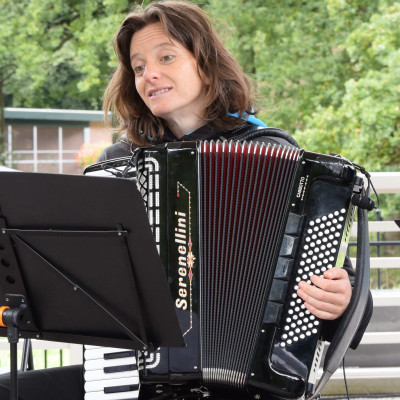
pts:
pixel 250 132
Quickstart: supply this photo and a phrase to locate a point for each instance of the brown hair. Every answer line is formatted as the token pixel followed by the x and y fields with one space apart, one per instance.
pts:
pixel 229 90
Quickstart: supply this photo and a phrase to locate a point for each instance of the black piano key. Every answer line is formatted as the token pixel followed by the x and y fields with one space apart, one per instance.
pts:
pixel 122 388
pixel 120 368
pixel 119 354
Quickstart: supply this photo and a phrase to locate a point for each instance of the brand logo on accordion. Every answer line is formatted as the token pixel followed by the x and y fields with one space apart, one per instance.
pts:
pixel 302 187
pixel 181 240
pixel 185 261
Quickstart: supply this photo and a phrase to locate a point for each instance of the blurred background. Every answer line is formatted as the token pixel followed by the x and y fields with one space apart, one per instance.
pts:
pixel 327 72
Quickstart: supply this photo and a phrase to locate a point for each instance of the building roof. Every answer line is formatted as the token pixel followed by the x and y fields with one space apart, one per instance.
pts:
pixel 31 115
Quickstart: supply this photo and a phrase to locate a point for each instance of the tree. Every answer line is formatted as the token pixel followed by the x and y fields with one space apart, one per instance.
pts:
pixel 62 50
pixel 294 52
pixel 365 124
pixel 5 72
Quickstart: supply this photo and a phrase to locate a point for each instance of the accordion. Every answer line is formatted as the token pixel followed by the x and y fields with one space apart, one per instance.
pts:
pixel 238 226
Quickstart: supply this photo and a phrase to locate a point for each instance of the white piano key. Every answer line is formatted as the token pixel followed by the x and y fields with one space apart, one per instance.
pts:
pixel 97 386
pixel 99 353
pixel 90 346
pixel 100 363
pixel 112 396
pixel 99 374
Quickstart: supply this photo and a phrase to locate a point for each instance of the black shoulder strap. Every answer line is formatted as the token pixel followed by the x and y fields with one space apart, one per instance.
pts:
pixel 251 132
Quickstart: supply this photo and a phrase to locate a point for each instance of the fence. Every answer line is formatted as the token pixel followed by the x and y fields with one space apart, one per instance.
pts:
pixel 375 366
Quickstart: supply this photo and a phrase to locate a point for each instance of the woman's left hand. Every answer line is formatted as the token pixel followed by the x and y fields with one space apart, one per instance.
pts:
pixel 330 296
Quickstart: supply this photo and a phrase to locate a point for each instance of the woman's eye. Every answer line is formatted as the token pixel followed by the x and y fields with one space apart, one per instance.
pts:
pixel 167 58
pixel 139 69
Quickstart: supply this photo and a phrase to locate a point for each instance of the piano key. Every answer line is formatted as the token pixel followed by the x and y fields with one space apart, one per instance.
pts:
pixel 101 363
pixel 91 346
pixel 131 395
pixel 107 352
pixel 113 384
pixel 100 374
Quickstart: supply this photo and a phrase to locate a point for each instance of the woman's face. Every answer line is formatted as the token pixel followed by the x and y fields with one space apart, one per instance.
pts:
pixel 167 78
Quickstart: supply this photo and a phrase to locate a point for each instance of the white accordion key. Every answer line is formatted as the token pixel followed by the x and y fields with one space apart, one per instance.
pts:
pixel 113 386
pixel 113 362
pixel 112 396
pixel 99 352
pixel 99 374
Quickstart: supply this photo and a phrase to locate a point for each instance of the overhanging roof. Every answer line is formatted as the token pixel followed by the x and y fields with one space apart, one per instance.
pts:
pixel 51 115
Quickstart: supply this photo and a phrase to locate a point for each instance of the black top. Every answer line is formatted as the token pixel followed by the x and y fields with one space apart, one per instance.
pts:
pixel 124 148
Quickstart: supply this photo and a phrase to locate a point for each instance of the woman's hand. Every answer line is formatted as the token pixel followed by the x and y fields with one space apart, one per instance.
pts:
pixel 330 296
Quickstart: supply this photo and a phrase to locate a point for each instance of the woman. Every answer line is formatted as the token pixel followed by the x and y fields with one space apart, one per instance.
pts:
pixel 176 81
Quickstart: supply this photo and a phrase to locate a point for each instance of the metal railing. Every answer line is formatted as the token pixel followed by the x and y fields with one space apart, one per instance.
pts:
pixel 35 156
pixel 374 368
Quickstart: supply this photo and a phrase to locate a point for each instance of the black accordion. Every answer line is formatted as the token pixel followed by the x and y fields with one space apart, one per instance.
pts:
pixel 238 226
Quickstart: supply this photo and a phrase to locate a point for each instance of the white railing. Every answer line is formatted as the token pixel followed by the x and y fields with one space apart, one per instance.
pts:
pixel 34 157
pixel 74 351
pixel 374 380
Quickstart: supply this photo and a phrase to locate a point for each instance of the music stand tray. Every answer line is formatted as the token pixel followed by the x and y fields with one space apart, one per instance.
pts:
pixel 78 255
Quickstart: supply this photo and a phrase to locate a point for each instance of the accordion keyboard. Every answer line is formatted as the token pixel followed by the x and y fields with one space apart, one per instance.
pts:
pixel 110 374
pixel 322 238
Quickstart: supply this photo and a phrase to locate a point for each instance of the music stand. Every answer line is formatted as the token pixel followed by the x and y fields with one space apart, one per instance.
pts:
pixel 78 264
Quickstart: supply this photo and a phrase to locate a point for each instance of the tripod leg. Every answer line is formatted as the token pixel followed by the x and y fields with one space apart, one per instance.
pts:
pixel 27 357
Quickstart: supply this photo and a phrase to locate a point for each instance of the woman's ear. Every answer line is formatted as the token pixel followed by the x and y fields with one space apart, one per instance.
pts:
pixel 203 76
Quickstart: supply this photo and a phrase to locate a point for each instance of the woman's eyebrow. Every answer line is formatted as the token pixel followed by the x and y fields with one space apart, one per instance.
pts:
pixel 158 45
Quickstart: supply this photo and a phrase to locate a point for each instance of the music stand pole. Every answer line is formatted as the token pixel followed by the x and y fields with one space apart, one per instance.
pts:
pixel 13 372
pixel 9 317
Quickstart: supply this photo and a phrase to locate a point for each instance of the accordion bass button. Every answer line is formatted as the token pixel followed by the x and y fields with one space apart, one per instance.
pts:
pixel 289 246
pixel 278 291
pixel 272 313
pixel 284 268
pixel 294 224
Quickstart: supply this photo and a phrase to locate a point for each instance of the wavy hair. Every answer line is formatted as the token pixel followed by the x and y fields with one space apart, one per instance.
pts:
pixel 228 91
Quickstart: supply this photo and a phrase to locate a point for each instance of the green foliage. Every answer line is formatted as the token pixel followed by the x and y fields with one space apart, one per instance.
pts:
pixel 60 51
pixel 365 124
pixel 328 72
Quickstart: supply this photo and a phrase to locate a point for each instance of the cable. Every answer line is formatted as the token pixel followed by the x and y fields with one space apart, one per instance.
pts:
pixel 370 184
pixel 345 379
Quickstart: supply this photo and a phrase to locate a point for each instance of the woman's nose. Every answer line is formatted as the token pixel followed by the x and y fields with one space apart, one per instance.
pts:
pixel 151 71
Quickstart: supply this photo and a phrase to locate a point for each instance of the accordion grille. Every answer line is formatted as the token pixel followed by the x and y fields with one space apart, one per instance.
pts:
pixel 245 189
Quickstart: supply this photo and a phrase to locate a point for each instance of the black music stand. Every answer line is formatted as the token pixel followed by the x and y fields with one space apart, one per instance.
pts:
pixel 78 264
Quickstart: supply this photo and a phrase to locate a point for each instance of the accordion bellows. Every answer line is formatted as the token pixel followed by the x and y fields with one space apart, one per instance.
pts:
pixel 245 191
